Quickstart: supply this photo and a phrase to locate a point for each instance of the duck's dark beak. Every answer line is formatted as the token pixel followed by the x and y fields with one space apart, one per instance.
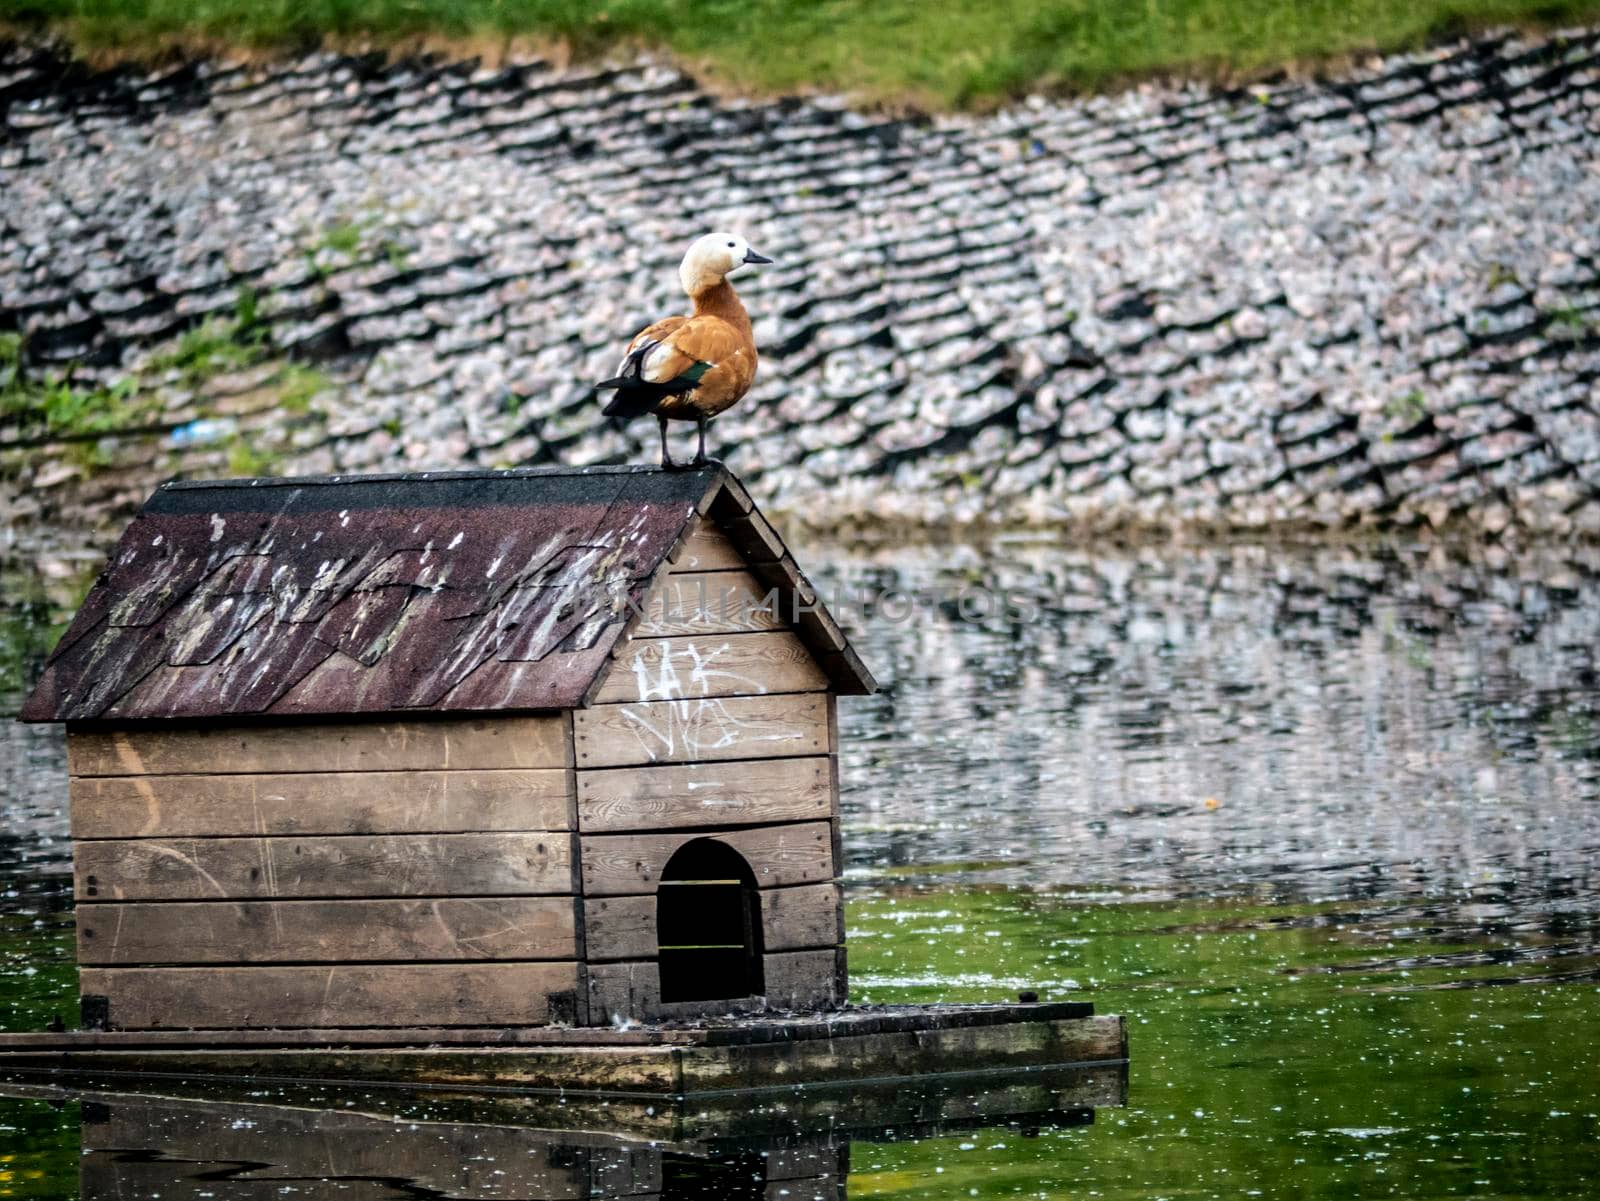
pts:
pixel 751 256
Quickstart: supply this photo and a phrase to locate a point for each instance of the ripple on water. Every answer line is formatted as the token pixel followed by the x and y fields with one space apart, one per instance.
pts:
pixel 1322 821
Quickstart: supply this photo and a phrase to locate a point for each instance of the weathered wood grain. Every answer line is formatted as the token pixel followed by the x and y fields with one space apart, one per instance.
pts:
pixel 752 536
pixel 689 731
pixel 511 864
pixel 740 792
pixel 708 602
pixel 475 744
pixel 798 918
pixel 619 864
pixel 619 928
pixel 436 994
pixel 874 1066
pixel 794 919
pixel 800 980
pixel 917 1053
pixel 633 990
pixel 668 669
pixel 571 1066
pixel 707 549
pixel 440 928
pixel 618 991
pixel 378 802
pixel 793 980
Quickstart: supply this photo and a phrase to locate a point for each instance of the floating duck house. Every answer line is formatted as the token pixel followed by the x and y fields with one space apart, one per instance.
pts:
pixel 525 777
pixel 471 749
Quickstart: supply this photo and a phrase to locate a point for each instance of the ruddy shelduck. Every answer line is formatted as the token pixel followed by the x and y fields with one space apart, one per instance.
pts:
pixel 692 368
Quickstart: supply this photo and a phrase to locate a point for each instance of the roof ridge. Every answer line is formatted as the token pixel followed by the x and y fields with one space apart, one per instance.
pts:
pixel 481 473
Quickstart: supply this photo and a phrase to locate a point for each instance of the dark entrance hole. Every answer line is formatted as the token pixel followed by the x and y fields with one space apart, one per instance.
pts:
pixel 708 924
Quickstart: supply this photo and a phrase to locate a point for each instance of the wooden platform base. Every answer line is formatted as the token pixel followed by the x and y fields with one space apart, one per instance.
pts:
pixel 726 1056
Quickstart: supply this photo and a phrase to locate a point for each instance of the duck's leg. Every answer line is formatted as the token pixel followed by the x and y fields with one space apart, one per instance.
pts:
pixel 666 453
pixel 700 459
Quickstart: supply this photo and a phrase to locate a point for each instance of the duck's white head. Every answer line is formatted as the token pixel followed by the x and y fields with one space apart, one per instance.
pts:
pixel 712 258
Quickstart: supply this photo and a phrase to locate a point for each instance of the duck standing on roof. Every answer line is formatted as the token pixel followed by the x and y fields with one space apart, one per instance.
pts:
pixel 692 368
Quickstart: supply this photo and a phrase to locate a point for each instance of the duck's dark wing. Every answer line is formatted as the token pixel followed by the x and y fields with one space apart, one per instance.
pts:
pixel 701 355
pixel 636 391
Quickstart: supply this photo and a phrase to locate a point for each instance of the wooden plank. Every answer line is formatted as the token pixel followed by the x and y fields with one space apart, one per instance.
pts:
pixel 793 981
pixel 619 928
pixel 396 865
pixel 915 1053
pixel 475 743
pixel 620 864
pixel 752 536
pixel 377 802
pixel 623 992
pixel 707 549
pixel 736 793
pixel 848 674
pixel 800 980
pixel 707 602
pixel 803 917
pixel 632 992
pixel 432 994
pixel 730 499
pixel 444 928
pixel 565 1069
pixel 690 731
pixel 670 669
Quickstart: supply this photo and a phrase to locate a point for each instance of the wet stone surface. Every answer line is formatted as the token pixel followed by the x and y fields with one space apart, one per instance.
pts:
pixel 1371 299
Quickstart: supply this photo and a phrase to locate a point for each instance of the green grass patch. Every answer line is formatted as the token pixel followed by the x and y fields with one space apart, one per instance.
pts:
pixel 85 424
pixel 53 408
pixel 297 384
pixel 1569 320
pixel 963 52
pixel 213 347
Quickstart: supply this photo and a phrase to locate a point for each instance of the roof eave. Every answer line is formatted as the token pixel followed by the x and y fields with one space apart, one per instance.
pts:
pixel 729 506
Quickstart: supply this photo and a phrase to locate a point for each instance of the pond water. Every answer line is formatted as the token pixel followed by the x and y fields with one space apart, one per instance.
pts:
pixel 1323 821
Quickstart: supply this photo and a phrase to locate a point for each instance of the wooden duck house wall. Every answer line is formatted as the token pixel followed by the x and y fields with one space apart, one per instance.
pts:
pixel 385 874
pixel 717 723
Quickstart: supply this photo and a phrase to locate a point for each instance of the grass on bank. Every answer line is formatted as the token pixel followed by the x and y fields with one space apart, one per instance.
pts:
pixel 48 413
pixel 935 52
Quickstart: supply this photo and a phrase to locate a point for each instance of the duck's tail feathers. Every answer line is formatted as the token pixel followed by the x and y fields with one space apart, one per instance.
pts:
pixel 634 398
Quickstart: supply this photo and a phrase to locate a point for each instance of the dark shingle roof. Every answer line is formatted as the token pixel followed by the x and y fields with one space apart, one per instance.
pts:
pixel 443 592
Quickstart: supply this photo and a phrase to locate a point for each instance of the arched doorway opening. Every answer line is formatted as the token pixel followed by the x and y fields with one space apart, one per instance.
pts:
pixel 708 925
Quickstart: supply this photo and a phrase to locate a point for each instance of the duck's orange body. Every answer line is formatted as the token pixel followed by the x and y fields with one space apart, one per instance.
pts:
pixel 692 368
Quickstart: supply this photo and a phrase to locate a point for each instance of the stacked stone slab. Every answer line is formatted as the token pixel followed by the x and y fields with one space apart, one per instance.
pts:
pixel 1372 299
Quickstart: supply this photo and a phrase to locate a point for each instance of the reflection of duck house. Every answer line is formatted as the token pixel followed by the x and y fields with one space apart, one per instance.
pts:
pixel 483 751
pixel 206 1139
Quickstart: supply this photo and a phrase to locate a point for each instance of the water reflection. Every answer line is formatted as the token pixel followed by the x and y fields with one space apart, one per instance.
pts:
pixel 1297 723
pixel 352 1144
pixel 1323 821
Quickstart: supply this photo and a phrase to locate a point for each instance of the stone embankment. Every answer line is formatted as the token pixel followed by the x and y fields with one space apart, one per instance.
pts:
pixel 1374 299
